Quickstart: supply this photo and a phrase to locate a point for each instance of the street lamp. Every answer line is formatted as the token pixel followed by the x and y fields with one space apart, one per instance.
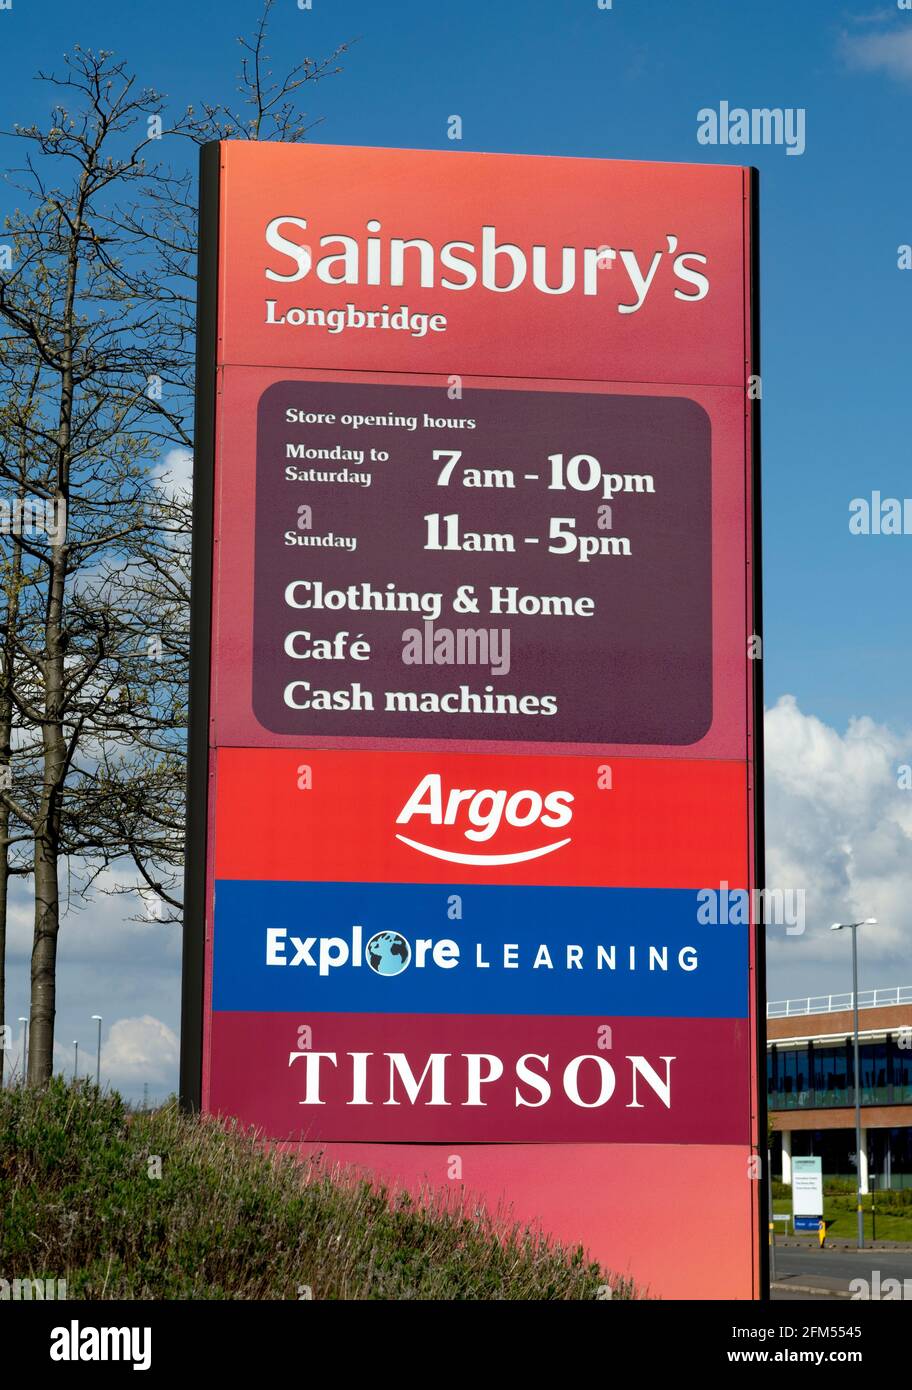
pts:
pixel 76 1060
pixel 24 1049
pixel 96 1018
pixel 853 927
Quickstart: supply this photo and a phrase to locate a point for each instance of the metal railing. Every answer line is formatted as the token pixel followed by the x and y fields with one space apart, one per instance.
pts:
pixel 838 1003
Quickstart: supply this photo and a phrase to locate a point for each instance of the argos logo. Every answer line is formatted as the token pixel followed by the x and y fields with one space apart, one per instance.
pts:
pixel 481 813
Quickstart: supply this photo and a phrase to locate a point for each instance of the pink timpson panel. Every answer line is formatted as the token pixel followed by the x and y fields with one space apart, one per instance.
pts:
pixel 621 1202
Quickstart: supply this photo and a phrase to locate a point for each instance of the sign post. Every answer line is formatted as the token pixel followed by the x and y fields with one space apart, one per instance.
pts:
pixel 807 1193
pixel 476 827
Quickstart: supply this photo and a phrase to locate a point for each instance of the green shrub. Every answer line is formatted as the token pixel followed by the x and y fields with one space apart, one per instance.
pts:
pixel 836 1186
pixel 231 1219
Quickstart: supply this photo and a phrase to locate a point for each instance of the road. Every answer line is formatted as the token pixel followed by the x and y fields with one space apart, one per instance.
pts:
pixel 833 1270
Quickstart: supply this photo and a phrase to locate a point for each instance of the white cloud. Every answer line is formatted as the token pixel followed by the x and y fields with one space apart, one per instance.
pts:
pixel 139 1050
pixel 127 971
pixel 838 826
pixel 174 474
pixel 890 52
pixel 100 932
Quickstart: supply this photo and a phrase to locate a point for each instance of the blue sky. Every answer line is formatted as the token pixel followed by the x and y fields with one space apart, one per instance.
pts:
pixel 564 77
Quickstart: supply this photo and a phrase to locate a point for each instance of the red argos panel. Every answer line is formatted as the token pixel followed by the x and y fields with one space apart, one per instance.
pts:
pixel 395 817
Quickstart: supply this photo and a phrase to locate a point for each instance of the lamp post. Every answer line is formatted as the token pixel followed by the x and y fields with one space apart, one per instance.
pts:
pixel 853 927
pixel 24 1022
pixel 96 1018
pixel 76 1060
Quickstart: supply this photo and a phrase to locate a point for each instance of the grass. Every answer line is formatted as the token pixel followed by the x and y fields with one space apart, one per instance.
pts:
pixel 162 1205
pixel 894 1218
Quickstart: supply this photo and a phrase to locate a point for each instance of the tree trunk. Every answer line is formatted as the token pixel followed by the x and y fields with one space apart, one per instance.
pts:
pixel 47 824
pixel 47 841
pixel 4 889
pixel 10 620
pixel 6 720
pixel 44 961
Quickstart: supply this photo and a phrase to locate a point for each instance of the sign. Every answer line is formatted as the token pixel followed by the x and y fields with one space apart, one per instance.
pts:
pixel 474 747
pixel 449 946
pixel 807 1191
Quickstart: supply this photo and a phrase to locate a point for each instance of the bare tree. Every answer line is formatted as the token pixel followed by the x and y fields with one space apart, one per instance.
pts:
pixel 272 110
pixel 99 306
pixel 96 341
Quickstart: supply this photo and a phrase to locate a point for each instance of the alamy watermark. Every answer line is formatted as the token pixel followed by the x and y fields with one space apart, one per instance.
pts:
pixel 880 516
pixel 34 516
pixel 82 1343
pixel 880 1290
pixel 741 907
pixel 32 1289
pixel 758 125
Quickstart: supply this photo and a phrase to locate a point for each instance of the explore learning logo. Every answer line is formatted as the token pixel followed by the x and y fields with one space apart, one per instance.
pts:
pixel 387 953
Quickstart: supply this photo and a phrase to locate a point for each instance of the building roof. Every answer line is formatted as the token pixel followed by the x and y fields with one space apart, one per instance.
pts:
pixel 836 1003
pixel 831 1016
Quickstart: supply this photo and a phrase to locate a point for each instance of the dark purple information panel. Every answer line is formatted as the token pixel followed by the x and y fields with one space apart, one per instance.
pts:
pixel 530 565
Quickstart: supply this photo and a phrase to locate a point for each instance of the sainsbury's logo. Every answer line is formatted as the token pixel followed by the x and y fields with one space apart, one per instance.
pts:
pixel 499 267
pixel 481 812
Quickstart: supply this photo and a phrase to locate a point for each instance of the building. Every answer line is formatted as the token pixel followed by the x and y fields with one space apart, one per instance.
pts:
pixel 811 1084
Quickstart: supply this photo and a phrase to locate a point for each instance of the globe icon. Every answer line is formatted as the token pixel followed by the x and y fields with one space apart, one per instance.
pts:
pixel 387 953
